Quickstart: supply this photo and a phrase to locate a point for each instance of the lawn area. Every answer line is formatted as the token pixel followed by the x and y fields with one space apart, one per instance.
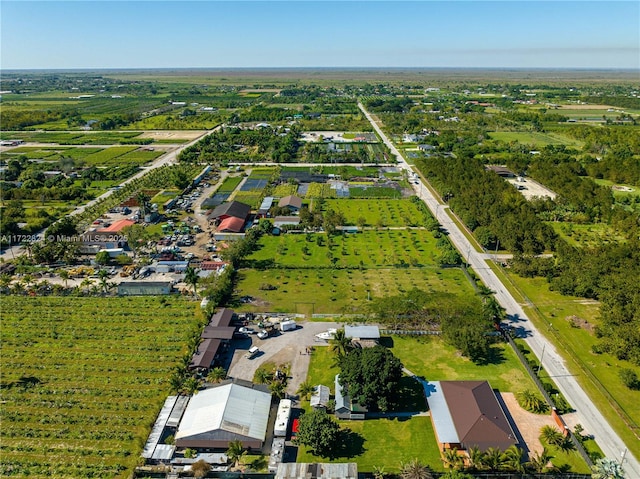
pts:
pixel 597 373
pixel 382 212
pixel 229 184
pixel 83 380
pixel 385 443
pixel 341 291
pixel 367 249
pixel 432 359
pixel 629 190
pixel 408 438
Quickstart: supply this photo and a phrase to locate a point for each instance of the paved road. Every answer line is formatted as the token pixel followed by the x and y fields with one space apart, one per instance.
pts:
pixel 590 418
pixel 167 159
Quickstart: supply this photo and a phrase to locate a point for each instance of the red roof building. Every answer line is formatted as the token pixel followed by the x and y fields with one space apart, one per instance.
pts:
pixel 116 227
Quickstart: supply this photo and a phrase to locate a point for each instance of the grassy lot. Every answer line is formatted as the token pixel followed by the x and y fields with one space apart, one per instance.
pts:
pixel 341 291
pixel 597 373
pixel 586 235
pixel 382 212
pixel 79 395
pixel 635 190
pixel 534 138
pixel 409 438
pixel 385 443
pixel 366 249
pixel 434 360
pixel 229 184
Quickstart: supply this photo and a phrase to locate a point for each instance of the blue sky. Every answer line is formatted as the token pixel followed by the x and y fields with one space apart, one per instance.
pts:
pixel 305 33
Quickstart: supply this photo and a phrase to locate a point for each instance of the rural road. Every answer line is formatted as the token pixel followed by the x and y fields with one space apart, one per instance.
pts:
pixel 168 158
pixel 590 418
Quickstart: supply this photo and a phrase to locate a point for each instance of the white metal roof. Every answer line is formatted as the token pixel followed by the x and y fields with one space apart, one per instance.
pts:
pixel 442 420
pixel 229 407
pixel 158 427
pixel 163 452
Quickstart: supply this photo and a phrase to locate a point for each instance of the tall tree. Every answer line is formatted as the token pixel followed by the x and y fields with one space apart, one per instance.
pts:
pixel 191 278
pixel 371 376
pixel 318 431
pixel 236 452
pixel 414 469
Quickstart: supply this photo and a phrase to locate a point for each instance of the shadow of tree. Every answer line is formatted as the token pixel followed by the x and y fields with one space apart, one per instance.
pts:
pixel 348 445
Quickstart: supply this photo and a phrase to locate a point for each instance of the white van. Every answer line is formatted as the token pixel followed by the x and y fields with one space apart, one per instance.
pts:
pixel 252 353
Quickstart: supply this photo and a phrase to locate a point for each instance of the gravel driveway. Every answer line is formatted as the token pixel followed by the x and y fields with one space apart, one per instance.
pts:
pixel 288 347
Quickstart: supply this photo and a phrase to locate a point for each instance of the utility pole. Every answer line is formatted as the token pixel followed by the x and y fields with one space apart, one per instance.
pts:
pixel 541 357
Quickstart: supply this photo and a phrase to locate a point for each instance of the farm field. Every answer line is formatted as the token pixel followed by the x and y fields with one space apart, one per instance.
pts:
pixel 76 138
pixel 83 379
pixel 379 213
pixel 597 372
pixel 534 138
pixel 341 291
pixel 368 249
pixel 586 234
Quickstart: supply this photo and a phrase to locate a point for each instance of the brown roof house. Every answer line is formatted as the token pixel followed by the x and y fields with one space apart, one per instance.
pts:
pixel 292 202
pixel 467 414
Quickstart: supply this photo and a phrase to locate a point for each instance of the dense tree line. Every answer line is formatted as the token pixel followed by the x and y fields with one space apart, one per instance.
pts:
pixel 389 104
pixel 483 199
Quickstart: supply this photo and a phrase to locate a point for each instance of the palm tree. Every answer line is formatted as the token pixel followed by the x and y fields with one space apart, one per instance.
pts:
pixel 236 452
pixel 103 274
pixel 551 435
pixel 452 459
pixel 86 284
pixel 492 459
pixel 191 278
pixel 277 388
pixel 190 385
pixel 607 469
pixel 513 459
pixel 378 472
pixel 305 390
pixel 262 376
pixel 216 375
pixel 531 401
pixel 415 470
pixel 538 462
pixel 340 344
pixel 475 458
pixel 64 276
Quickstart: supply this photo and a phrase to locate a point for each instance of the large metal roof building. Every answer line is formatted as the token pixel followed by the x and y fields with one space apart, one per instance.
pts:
pixel 225 413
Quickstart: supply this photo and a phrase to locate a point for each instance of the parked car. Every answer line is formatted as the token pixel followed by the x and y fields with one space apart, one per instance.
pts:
pixel 263 334
pixel 247 330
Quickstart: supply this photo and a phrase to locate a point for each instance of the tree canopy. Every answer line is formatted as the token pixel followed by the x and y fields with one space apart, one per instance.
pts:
pixel 318 431
pixel 371 376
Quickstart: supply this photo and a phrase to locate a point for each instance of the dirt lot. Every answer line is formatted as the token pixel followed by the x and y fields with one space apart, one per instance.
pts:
pixel 532 188
pixel 288 347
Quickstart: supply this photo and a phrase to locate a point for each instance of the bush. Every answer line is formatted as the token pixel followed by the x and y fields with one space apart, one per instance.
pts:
pixel 629 378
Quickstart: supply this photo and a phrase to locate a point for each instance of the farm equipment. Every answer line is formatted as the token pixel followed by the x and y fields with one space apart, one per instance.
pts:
pixel 127 270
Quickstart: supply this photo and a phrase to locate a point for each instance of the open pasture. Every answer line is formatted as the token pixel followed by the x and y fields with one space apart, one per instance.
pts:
pixel 340 291
pixel 75 138
pixel 535 138
pixel 83 380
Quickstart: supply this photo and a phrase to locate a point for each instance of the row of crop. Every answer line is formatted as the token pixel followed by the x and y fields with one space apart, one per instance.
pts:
pixel 64 391
pixel 108 154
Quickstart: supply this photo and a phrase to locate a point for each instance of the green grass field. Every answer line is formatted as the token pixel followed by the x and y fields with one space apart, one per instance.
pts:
pixel 534 138
pixel 367 249
pixel 634 190
pixel 83 380
pixel 586 235
pixel 597 373
pixel 381 212
pixel 328 291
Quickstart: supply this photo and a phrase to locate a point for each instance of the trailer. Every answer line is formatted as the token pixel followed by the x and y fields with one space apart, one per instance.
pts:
pixel 288 325
pixel 282 418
